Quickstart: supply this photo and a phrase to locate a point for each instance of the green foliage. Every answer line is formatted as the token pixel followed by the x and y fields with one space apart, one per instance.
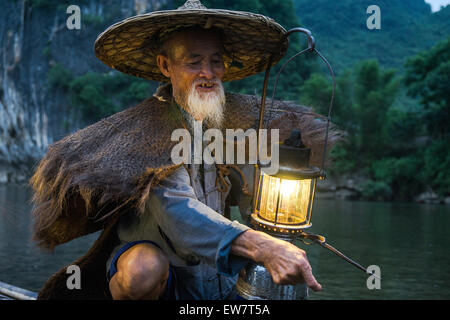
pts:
pixel 403 175
pixel 96 22
pixel 383 140
pixel 96 95
pixel 343 155
pixel 404 128
pixel 403 152
pixel 100 95
pixel 375 91
pixel 59 77
pixel 376 190
pixel 437 166
pixel 90 93
pixel 316 92
pixel 428 78
pixel 363 98
pixel 407 27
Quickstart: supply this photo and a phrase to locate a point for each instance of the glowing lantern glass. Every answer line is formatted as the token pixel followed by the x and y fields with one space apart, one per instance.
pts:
pixel 285 200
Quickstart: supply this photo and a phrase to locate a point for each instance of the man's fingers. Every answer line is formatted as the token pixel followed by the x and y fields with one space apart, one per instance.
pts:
pixel 315 286
pixel 309 277
pixel 290 265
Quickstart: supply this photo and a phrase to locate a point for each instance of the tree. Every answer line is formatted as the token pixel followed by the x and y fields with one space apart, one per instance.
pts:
pixel 363 99
pixel 99 95
pixel 428 78
pixel 375 91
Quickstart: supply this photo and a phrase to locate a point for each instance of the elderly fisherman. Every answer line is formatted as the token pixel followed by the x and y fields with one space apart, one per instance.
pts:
pixel 164 233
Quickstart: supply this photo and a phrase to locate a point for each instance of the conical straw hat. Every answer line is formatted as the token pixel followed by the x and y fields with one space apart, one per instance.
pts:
pixel 131 45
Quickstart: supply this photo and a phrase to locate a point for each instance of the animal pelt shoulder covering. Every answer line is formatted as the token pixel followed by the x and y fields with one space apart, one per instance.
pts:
pixel 109 167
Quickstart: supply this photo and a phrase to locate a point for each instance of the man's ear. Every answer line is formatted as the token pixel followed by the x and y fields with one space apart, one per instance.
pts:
pixel 163 64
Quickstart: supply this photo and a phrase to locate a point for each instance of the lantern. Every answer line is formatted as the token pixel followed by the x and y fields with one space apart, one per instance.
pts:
pixel 285 200
pixel 283 208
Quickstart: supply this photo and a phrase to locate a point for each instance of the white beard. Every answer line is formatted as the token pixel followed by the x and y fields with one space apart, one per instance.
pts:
pixel 208 106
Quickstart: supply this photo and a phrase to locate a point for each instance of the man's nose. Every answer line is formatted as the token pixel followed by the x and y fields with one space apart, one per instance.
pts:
pixel 207 71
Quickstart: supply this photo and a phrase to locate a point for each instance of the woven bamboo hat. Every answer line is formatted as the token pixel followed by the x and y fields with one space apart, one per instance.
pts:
pixel 249 40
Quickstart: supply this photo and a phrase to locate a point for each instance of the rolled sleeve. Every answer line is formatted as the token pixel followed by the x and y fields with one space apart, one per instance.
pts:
pixel 227 263
pixel 193 227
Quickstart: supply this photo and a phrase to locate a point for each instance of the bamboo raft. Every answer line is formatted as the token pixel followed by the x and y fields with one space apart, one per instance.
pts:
pixel 10 292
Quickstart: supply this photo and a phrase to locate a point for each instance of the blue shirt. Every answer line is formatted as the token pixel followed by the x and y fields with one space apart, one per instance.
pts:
pixel 184 216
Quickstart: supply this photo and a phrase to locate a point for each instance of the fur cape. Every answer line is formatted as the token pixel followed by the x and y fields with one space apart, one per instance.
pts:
pixel 87 180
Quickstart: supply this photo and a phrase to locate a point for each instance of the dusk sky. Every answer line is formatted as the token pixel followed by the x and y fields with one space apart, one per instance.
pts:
pixel 436 4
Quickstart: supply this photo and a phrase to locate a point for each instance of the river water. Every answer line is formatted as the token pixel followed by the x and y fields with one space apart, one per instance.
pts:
pixel 409 242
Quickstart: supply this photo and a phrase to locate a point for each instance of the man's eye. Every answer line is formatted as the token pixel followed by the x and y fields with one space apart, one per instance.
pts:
pixel 194 63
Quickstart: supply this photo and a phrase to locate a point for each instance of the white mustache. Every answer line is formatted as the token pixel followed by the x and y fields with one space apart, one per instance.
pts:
pixel 210 106
pixel 208 82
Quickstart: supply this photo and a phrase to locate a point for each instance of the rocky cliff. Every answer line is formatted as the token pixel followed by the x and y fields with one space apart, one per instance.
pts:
pixel 34 37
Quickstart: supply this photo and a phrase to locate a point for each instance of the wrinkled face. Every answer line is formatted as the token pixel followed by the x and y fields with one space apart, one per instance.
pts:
pixel 194 64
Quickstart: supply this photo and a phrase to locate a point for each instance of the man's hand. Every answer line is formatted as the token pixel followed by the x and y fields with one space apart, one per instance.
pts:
pixel 286 263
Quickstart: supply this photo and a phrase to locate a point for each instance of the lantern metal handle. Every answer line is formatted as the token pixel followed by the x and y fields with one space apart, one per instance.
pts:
pixel 311 48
